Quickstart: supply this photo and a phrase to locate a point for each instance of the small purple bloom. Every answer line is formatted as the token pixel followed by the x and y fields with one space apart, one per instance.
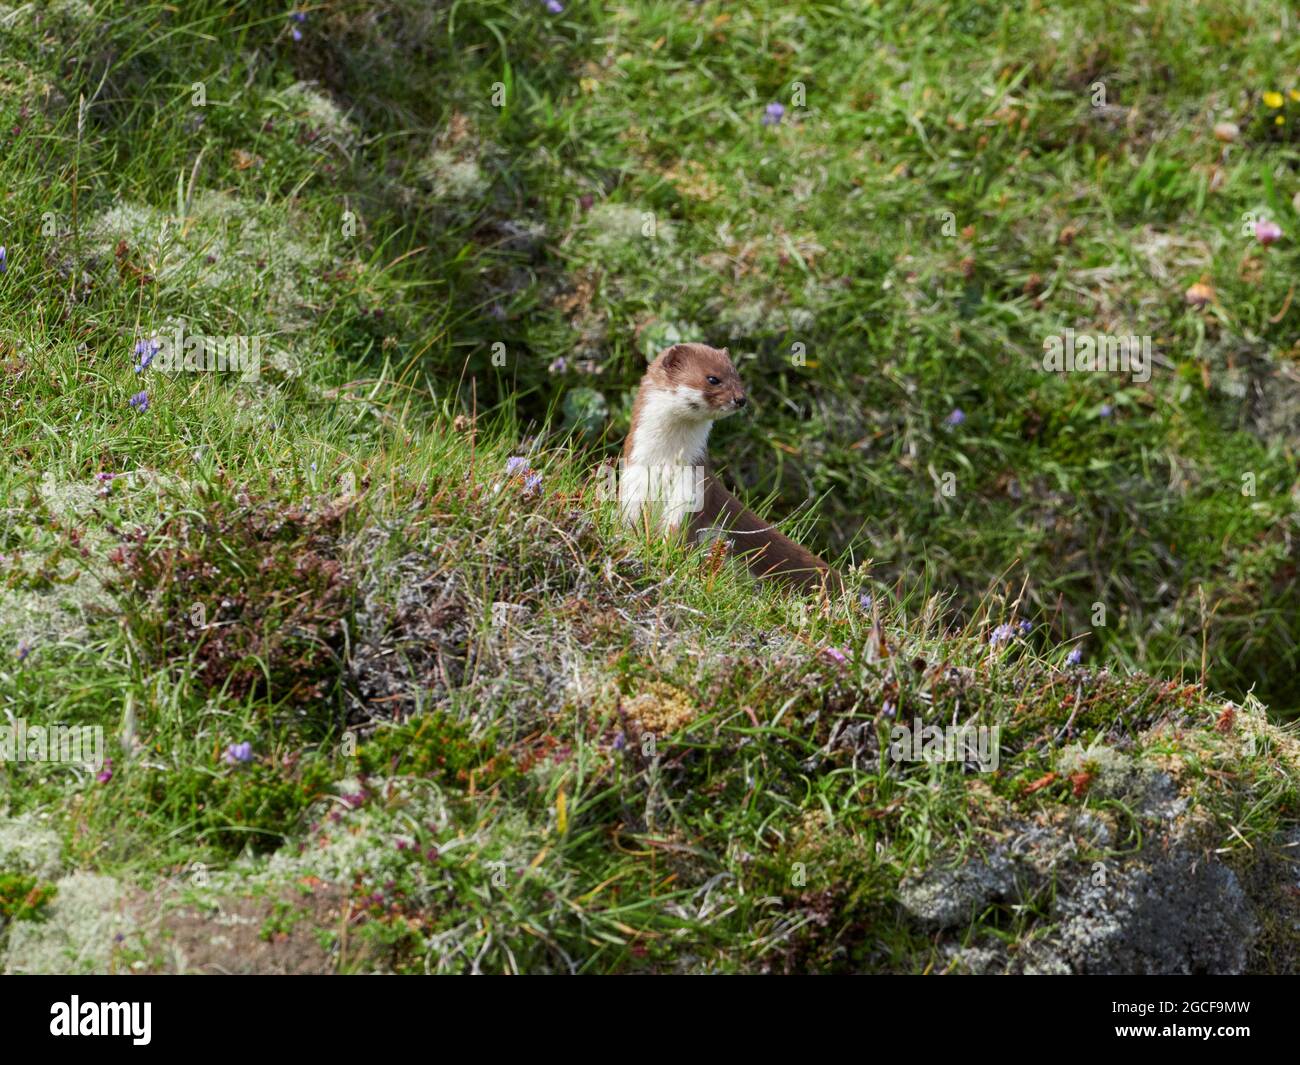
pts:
pixel 146 349
pixel 4 259
pixel 835 655
pixel 1074 657
pixel 773 114
pixel 515 464
pixel 432 854
pixel 864 601
pixel 888 708
pixel 352 802
pixel 555 7
pixel 1026 627
pixel 620 741
pixel 558 366
pixel 1267 232
pixel 1106 410
pixel 24 649
pixel 296 33
pixel 238 753
pixel 299 16
pixel 1001 635
pixel 140 401
pixel 105 774
pixel 956 417
pixel 532 484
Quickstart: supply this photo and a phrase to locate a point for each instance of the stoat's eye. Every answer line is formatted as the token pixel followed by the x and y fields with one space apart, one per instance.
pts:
pixel 714 381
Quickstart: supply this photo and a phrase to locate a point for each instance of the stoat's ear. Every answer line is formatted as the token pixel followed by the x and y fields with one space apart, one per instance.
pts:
pixel 672 358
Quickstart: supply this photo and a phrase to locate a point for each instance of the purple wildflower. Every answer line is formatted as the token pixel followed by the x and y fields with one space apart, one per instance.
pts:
pixel 773 114
pixel 1001 635
pixel 299 16
pixel 515 464
pixel 238 753
pixel 1267 232
pixel 355 800
pixel 295 33
pixel 864 601
pixel 1106 410
pixel 956 417
pixel 24 649
pixel 555 7
pixel 558 366
pixel 835 655
pixel 105 774
pixel 1026 627
pixel 1074 657
pixel 140 401
pixel 4 259
pixel 620 741
pixel 146 349
pixel 532 484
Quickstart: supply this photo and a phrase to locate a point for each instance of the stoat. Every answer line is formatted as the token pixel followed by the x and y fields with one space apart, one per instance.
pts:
pixel 666 482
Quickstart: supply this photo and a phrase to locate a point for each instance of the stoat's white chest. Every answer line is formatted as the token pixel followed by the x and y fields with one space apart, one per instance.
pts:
pixel 664 473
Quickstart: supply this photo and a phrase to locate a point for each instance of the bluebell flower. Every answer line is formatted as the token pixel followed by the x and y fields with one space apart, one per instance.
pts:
pixel 238 753
pixel 140 401
pixel 1074 657
pixel 4 259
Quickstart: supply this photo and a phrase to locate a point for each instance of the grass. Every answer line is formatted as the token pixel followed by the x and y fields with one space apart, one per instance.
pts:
pixel 487 729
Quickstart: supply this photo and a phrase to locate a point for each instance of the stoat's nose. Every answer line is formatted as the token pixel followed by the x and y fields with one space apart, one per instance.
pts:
pixel 739 400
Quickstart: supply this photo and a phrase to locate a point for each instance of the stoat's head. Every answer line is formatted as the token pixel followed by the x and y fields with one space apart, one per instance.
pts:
pixel 703 383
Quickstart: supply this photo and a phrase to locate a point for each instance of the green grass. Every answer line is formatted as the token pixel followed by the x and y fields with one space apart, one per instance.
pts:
pixel 416 210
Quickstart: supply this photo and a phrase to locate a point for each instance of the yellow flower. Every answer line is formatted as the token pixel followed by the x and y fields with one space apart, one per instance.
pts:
pixel 1294 95
pixel 1273 99
pixel 1279 121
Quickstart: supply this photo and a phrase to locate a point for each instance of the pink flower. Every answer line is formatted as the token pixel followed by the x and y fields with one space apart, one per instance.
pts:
pixel 1267 232
pixel 835 655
